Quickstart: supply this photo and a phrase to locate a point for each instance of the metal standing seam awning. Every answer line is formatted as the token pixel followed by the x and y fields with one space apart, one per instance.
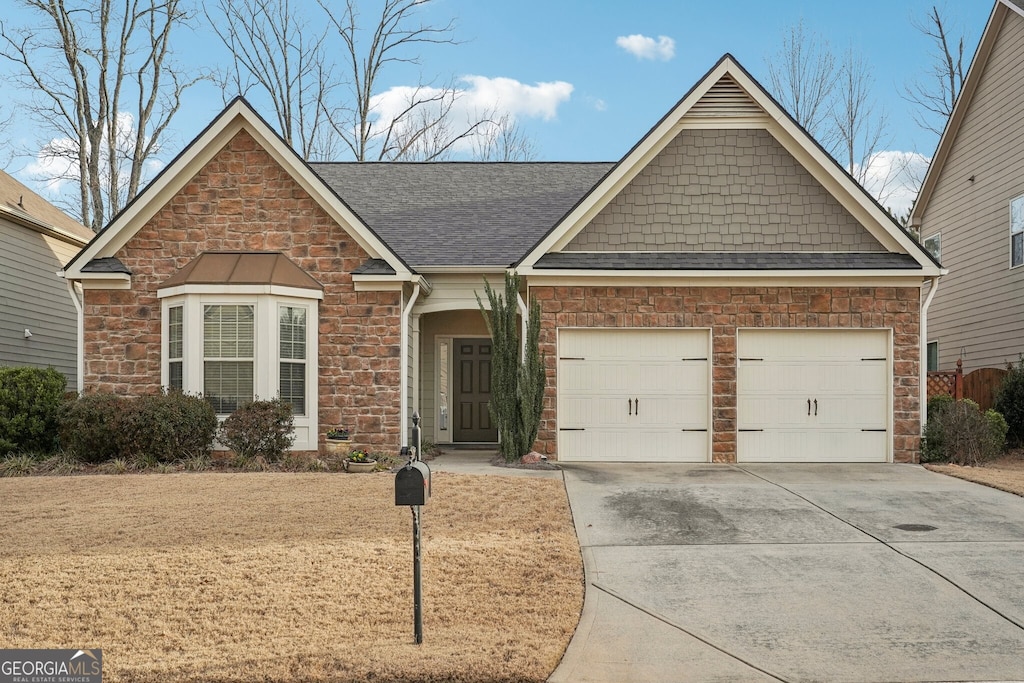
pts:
pixel 242 268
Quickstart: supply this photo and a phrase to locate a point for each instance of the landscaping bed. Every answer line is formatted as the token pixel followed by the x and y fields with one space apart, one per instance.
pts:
pixel 1005 473
pixel 290 576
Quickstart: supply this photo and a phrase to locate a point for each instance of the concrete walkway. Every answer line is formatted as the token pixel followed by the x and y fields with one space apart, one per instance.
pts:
pixel 795 573
pixel 479 462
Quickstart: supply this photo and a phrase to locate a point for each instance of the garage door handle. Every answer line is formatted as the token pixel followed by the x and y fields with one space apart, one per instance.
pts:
pixel 815 407
pixel 637 406
pixel 630 406
pixel 808 406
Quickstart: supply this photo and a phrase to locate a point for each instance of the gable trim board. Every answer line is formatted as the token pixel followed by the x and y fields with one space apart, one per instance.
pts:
pixel 779 125
pixel 634 308
pixel 963 103
pixel 238 116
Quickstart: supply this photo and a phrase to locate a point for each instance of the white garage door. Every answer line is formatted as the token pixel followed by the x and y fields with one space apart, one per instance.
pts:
pixel 813 396
pixel 633 395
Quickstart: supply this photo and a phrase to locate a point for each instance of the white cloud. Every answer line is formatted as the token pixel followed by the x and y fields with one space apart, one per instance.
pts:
pixel 477 97
pixel 894 178
pixel 645 47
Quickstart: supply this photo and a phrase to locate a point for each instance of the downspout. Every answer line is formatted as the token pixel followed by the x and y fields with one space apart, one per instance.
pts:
pixel 924 347
pixel 80 335
pixel 403 380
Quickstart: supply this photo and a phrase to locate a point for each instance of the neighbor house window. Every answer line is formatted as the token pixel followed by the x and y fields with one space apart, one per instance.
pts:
pixel 228 354
pixel 933 356
pixel 292 341
pixel 934 246
pixel 1017 231
pixel 175 347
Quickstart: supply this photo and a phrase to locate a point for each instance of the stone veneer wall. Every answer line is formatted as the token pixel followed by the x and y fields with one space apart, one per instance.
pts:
pixel 242 200
pixel 723 310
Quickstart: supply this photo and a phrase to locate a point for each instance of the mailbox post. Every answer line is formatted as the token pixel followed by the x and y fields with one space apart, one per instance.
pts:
pixel 412 488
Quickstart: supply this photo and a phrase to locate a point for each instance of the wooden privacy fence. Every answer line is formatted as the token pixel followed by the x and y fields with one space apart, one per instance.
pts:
pixel 980 386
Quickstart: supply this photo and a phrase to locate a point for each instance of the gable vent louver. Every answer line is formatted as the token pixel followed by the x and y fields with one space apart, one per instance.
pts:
pixel 725 98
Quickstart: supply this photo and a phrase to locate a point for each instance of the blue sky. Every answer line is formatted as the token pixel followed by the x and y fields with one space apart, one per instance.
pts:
pixel 563 68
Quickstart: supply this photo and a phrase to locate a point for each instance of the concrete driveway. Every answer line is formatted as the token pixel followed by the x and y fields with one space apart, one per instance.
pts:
pixel 795 573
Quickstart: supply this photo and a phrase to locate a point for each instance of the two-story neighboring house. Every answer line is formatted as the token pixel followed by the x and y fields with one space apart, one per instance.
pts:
pixel 38 320
pixel 970 211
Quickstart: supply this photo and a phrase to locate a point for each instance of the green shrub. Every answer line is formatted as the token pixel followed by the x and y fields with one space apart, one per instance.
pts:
pixel 167 427
pixel 1010 402
pixel 29 401
pixel 148 430
pixel 90 427
pixel 259 429
pixel 958 432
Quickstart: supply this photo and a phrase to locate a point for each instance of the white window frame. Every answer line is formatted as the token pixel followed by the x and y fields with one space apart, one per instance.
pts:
pixel 266 359
pixel 1017 229
pixel 938 245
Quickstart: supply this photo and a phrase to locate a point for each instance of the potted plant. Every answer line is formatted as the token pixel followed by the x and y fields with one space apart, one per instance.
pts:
pixel 360 461
pixel 336 440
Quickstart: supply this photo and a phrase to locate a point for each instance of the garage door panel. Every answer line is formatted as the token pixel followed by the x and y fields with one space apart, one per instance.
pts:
pixel 821 445
pixel 588 411
pixel 682 412
pixel 813 395
pixel 604 375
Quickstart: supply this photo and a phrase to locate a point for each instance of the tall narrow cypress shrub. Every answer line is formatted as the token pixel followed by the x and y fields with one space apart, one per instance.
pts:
pixel 517 382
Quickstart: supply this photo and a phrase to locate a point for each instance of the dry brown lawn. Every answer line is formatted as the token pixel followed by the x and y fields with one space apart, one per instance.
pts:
pixel 290 577
pixel 1006 473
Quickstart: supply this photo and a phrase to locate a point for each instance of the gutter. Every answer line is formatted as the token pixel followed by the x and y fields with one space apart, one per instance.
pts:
pixel 403 380
pixel 924 347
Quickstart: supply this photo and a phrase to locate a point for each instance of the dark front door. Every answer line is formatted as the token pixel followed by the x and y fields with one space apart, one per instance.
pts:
pixel 472 391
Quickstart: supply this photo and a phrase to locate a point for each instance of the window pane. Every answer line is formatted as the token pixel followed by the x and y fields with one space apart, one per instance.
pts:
pixel 293 333
pixel 932 244
pixel 1017 249
pixel 175 332
pixel 228 331
pixel 933 356
pixel 1017 215
pixel 174 377
pixel 293 386
pixel 227 384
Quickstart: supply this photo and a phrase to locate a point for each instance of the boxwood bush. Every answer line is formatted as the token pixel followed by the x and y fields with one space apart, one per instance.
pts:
pixel 30 399
pixel 259 429
pixel 151 429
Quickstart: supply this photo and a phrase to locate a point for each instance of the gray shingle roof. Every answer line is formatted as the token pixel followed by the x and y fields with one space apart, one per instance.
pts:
pixel 374 266
pixel 461 213
pixel 105 265
pixel 802 260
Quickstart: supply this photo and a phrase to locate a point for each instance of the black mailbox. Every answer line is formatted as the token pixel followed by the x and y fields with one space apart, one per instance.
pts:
pixel 412 484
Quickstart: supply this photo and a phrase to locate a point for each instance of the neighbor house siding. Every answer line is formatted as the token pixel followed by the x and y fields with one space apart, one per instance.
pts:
pixel 33 297
pixel 978 311
pixel 724 190
pixel 725 310
pixel 244 201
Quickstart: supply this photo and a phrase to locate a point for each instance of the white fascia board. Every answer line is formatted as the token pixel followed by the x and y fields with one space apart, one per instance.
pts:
pixel 107 281
pixel 215 289
pixel 724 278
pixel 236 118
pixel 468 270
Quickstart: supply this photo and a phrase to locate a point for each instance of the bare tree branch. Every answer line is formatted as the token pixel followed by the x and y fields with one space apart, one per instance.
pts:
pixel 503 140
pixel 417 123
pixel 278 51
pixel 100 80
pixel 935 96
pixel 803 75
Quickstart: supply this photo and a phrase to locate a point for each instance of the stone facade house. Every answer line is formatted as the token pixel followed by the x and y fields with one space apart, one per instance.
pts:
pixel 970 210
pixel 37 310
pixel 725 292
